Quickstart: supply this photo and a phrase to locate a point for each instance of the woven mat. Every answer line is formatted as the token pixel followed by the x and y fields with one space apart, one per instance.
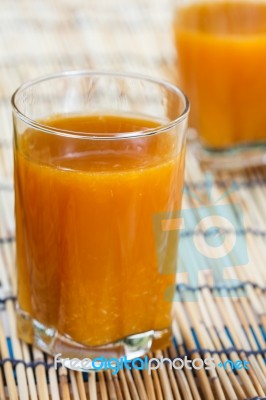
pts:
pixel 212 318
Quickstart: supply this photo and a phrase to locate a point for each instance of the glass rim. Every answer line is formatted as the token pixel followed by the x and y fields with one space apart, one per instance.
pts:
pixel 101 136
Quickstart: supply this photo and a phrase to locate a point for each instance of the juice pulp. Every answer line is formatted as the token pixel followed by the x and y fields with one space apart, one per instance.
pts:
pixel 222 58
pixel 86 254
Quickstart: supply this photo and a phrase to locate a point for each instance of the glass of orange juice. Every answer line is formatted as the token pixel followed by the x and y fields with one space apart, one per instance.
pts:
pixel 97 157
pixel 221 48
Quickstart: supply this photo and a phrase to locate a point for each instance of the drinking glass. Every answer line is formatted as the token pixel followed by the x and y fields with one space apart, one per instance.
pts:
pixel 99 158
pixel 221 47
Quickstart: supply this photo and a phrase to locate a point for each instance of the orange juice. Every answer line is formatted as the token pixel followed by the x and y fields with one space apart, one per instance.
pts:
pixel 222 59
pixel 85 242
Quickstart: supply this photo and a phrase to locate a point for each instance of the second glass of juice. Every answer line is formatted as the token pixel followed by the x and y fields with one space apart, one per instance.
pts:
pixel 97 158
pixel 221 48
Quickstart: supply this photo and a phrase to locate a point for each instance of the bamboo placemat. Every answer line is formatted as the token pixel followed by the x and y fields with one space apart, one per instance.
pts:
pixel 210 319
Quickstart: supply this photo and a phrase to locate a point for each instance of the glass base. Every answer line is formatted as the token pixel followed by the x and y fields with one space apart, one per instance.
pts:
pixel 65 349
pixel 242 156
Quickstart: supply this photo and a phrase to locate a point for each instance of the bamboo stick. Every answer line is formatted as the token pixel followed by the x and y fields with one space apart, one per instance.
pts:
pixel 20 368
pixel 81 386
pixel 124 386
pixel 173 383
pixel 117 388
pixel 102 384
pixel 186 379
pixel 40 373
pixel 29 372
pixel 92 386
pixel 9 376
pixel 165 384
pixel 149 385
pixel 2 388
pixel 157 387
pixel 131 386
pixel 186 332
pixel 110 385
pixel 63 381
pixel 139 385
pixel 54 387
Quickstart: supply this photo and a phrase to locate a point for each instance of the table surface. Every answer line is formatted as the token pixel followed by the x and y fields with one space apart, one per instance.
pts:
pixel 210 318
